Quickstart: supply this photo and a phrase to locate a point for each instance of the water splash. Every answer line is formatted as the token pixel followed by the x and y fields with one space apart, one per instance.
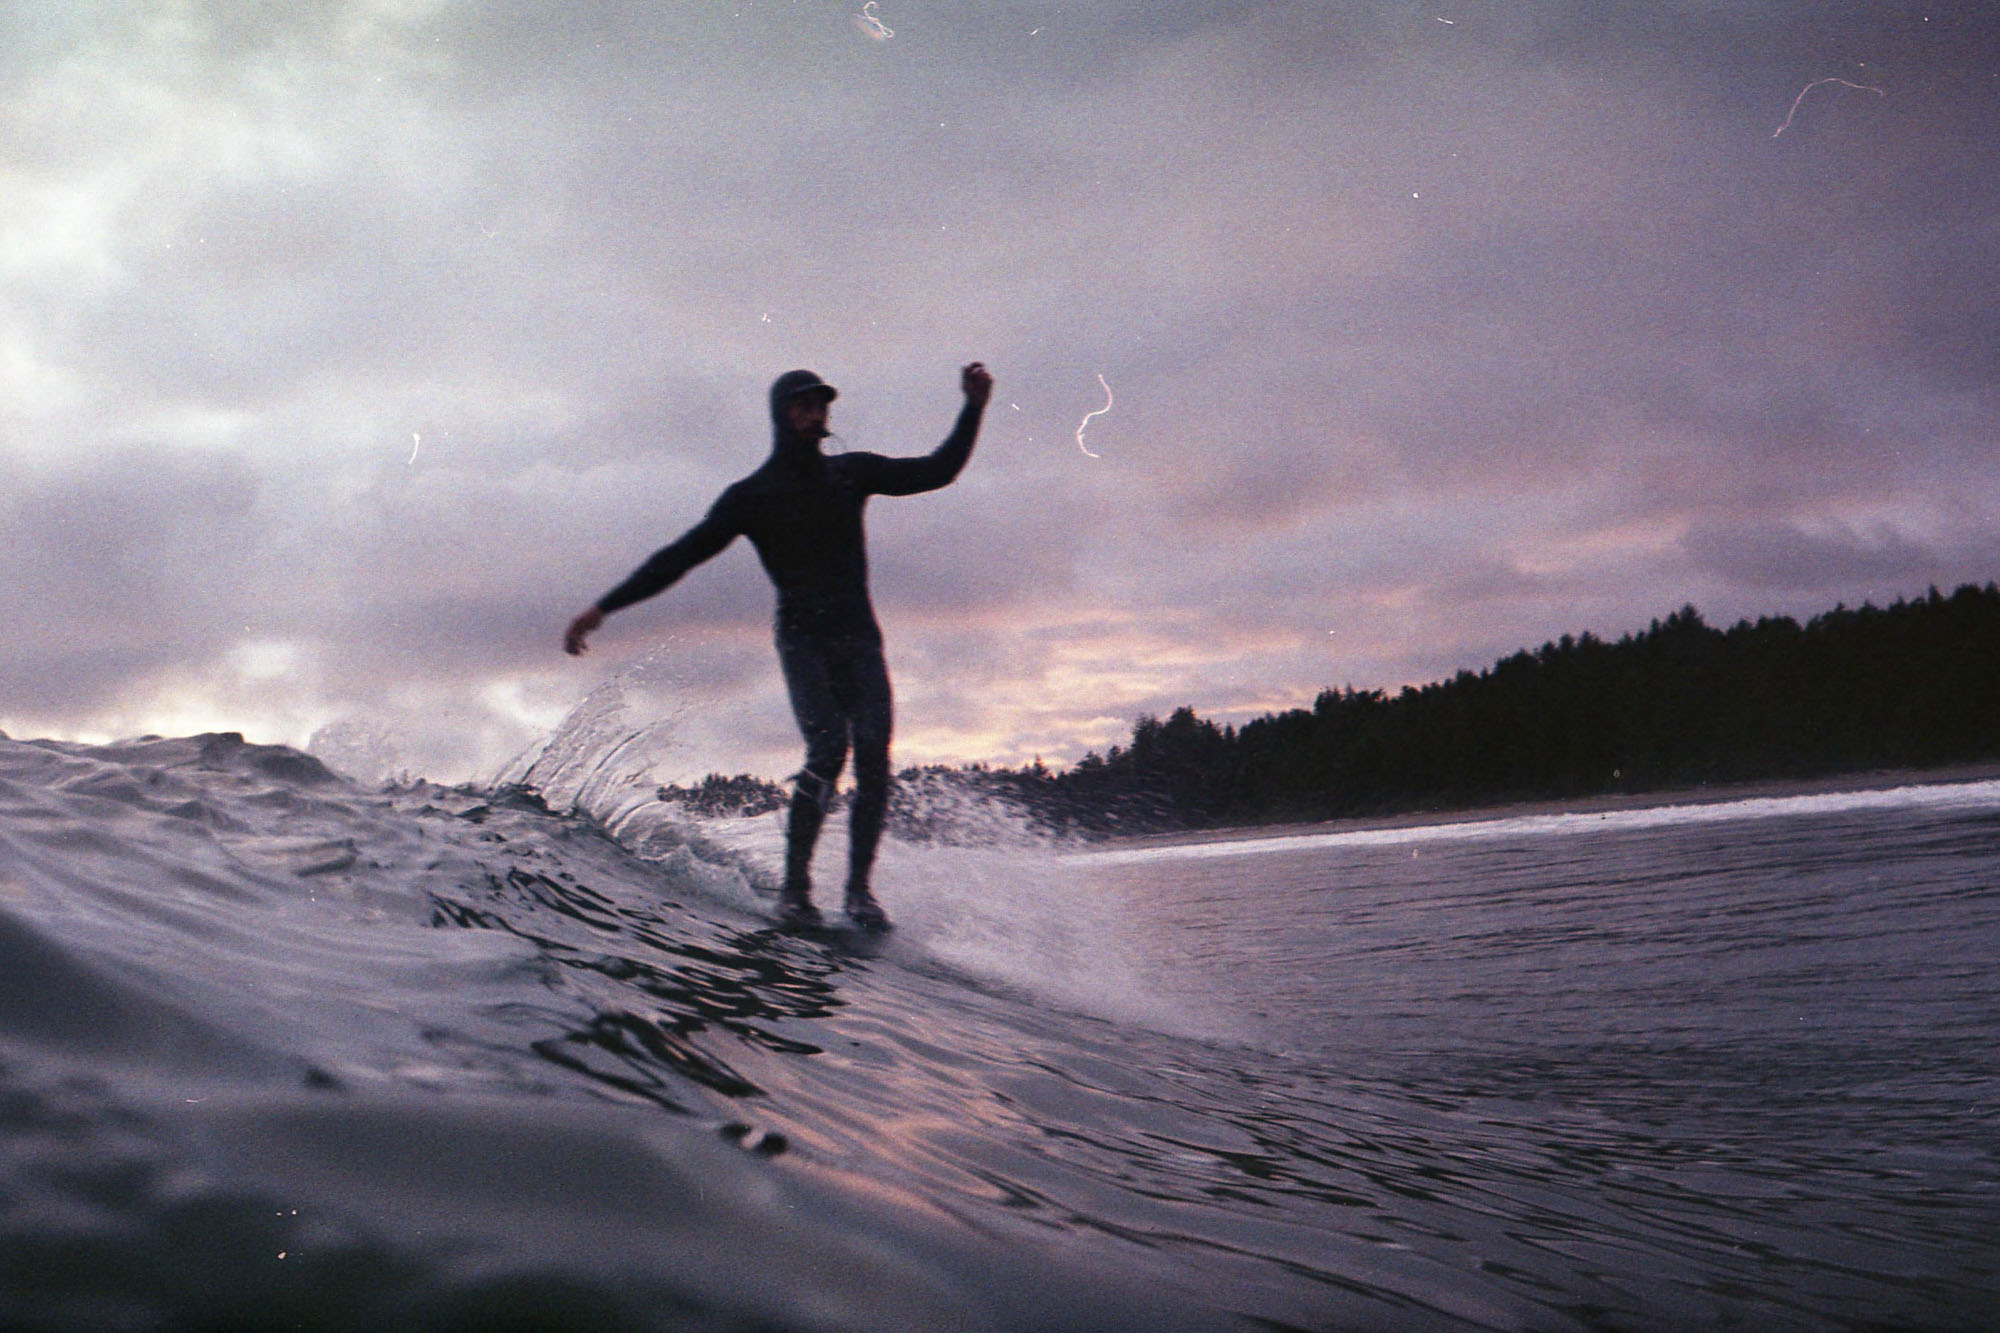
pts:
pixel 602 759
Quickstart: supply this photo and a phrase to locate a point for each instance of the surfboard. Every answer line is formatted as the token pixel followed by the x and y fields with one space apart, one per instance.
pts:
pixel 837 932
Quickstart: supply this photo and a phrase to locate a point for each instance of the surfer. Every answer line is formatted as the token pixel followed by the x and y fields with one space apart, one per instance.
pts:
pixel 802 512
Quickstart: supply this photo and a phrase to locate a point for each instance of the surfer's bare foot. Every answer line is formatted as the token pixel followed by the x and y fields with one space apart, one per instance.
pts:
pixel 865 912
pixel 795 909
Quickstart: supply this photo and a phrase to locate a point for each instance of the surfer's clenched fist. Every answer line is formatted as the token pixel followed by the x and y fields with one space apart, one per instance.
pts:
pixel 977 382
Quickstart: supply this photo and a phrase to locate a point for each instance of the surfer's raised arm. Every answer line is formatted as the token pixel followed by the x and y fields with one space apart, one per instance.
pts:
pixel 660 572
pixel 941 466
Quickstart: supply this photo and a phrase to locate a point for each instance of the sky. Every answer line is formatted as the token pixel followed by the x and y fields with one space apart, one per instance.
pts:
pixel 349 348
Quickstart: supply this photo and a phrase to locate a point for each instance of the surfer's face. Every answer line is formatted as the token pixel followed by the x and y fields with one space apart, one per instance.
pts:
pixel 805 415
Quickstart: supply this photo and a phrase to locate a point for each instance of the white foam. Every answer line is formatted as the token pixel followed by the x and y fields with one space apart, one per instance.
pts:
pixel 1025 921
pixel 1939 796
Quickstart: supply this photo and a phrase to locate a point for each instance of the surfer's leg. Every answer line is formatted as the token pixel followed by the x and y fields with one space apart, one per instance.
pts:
pixel 816 706
pixel 871 716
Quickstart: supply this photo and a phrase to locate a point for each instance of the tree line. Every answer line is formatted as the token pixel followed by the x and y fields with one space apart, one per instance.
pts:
pixel 1679 704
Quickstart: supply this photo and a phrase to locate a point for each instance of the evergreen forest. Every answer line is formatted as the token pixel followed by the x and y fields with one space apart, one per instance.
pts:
pixel 1681 704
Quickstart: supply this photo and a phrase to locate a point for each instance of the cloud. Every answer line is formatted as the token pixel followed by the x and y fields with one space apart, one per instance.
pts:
pixel 1785 556
pixel 114 573
pixel 1443 338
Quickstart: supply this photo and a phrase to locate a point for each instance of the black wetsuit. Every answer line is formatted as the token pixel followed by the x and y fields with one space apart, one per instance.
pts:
pixel 802 511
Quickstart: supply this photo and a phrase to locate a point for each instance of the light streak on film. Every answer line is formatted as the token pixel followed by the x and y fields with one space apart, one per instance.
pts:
pixel 872 26
pixel 1858 87
pixel 1088 415
pixel 416 443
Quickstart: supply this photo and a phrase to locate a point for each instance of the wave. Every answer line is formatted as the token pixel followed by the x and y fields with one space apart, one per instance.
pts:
pixel 270 1036
pixel 1940 797
pixel 281 1048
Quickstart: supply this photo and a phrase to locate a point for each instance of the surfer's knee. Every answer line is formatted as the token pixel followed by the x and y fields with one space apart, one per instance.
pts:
pixel 815 783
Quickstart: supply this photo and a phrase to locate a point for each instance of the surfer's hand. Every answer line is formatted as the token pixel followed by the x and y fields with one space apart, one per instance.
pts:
pixel 580 629
pixel 977 382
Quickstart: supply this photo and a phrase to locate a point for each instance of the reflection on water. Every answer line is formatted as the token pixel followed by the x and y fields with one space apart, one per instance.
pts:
pixel 735 982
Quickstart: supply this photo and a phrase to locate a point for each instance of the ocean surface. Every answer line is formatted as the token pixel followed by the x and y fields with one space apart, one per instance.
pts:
pixel 283 1050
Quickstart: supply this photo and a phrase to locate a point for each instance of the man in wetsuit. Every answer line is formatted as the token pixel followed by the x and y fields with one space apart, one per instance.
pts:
pixel 802 512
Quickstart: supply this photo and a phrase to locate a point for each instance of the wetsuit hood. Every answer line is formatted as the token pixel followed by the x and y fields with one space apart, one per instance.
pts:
pixel 793 383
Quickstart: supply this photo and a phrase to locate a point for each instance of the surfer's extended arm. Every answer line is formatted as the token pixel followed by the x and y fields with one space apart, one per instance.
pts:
pixel 659 573
pixel 908 476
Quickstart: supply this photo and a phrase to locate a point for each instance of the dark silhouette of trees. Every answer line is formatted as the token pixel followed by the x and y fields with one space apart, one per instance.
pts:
pixel 1680 704
pixel 715 795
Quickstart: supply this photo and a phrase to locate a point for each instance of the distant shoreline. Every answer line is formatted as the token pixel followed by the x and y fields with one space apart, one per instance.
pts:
pixel 1871 780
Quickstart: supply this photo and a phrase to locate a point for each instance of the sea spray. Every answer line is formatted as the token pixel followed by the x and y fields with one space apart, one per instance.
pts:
pixel 976 886
pixel 603 760
pixel 599 761
pixel 361 748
